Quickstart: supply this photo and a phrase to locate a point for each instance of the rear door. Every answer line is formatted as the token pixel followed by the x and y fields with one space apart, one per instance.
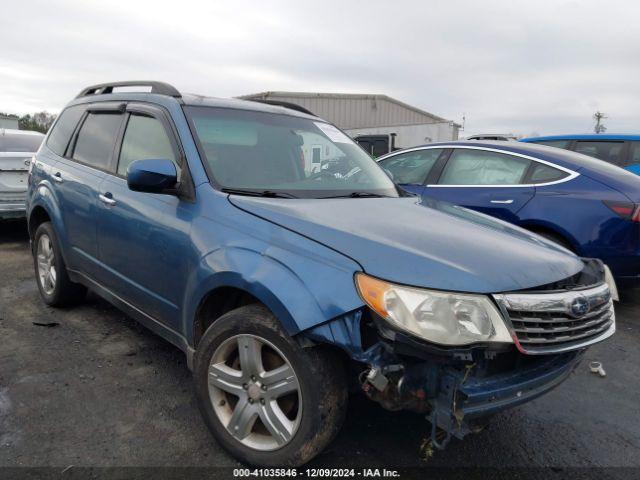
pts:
pixel 77 177
pixel 16 150
pixel 412 168
pixel 489 181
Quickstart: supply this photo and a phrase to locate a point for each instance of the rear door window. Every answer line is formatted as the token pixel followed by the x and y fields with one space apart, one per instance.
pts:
pixel 63 129
pixel 481 167
pixel 96 139
pixel 144 139
pixel 609 151
pixel 411 167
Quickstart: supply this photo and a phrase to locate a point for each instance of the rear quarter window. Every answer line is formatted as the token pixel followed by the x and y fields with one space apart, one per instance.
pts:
pixel 63 129
pixel 544 173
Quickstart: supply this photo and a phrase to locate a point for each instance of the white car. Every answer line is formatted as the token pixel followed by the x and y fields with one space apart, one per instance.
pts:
pixel 506 137
pixel 16 149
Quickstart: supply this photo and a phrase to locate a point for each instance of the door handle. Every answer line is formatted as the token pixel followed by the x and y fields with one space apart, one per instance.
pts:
pixel 504 202
pixel 107 199
pixel 57 177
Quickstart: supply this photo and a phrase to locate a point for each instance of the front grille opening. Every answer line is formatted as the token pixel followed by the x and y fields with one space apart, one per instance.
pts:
pixel 592 274
pixel 546 328
pixel 547 322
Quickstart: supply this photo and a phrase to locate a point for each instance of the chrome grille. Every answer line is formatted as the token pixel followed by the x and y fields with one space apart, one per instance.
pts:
pixel 559 321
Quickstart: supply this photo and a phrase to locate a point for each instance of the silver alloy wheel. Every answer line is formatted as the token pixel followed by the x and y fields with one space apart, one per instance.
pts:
pixel 255 392
pixel 46 264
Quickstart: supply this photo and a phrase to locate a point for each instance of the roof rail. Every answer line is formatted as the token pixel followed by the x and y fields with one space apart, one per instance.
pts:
pixel 289 105
pixel 160 88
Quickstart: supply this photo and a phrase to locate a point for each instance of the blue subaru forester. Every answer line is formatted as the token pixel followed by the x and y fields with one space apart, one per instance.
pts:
pixel 286 276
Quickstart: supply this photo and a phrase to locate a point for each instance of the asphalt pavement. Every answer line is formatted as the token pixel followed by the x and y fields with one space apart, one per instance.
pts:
pixel 89 387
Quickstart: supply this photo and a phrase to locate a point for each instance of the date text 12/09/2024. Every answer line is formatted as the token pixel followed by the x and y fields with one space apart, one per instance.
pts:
pixel 316 473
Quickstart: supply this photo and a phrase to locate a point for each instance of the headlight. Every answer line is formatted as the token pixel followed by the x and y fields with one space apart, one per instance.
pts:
pixel 446 318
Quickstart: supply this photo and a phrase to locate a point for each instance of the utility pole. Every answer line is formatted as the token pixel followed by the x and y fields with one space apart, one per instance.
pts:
pixel 598 117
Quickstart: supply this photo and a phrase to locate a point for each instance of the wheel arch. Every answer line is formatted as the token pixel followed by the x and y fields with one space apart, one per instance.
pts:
pixel 37 216
pixel 231 277
pixel 42 207
pixel 537 226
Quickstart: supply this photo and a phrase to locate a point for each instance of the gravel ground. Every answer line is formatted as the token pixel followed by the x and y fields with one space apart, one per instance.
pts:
pixel 98 390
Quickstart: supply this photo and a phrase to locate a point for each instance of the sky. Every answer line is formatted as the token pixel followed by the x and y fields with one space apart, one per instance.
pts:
pixel 523 67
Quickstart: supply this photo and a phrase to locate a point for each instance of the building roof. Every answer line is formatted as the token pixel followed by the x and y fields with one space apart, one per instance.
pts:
pixel 343 96
pixel 313 99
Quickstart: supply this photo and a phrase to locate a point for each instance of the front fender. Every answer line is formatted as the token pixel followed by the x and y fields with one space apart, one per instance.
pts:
pixel 301 292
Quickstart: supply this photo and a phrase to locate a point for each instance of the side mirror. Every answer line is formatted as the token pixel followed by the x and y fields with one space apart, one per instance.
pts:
pixel 152 176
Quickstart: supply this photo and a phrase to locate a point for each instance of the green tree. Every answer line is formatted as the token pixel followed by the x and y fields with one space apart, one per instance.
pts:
pixel 39 122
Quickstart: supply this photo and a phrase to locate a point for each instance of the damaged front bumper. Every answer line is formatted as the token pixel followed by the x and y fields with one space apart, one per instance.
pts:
pixel 464 401
pixel 485 396
pixel 458 397
pixel 457 389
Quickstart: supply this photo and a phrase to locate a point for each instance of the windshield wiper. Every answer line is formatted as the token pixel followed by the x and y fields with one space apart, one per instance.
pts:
pixel 258 193
pixel 359 195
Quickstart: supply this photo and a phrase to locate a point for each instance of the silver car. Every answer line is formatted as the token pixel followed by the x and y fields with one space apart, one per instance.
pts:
pixel 16 149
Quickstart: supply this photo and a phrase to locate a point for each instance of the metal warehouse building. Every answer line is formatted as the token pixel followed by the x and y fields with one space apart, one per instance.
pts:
pixel 378 122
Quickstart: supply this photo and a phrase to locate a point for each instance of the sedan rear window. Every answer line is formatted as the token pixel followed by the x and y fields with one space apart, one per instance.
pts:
pixel 20 142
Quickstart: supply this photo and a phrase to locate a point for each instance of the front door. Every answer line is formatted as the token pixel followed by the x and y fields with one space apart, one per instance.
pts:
pixel 486 181
pixel 144 237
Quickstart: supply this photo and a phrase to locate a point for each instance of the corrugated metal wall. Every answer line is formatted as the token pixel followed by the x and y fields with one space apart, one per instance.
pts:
pixel 348 112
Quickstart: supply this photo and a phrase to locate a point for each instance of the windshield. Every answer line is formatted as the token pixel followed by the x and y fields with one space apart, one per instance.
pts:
pixel 284 155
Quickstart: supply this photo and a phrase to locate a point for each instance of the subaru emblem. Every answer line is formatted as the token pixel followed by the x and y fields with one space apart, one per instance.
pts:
pixel 579 307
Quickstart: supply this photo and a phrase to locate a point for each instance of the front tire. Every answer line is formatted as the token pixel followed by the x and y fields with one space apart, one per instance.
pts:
pixel 56 289
pixel 268 401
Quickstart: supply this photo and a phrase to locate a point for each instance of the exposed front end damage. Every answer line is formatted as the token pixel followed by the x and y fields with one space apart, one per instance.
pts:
pixel 459 388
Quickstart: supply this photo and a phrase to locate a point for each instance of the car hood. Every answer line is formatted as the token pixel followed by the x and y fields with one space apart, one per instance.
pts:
pixel 425 243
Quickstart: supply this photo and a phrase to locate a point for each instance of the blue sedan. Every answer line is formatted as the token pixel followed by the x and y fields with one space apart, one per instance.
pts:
pixel 621 150
pixel 587 205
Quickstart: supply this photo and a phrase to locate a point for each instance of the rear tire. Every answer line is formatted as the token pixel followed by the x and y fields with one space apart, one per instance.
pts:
pixel 56 289
pixel 273 429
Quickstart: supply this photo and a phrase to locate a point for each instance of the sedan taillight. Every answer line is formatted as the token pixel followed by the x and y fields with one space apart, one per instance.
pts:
pixel 627 210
